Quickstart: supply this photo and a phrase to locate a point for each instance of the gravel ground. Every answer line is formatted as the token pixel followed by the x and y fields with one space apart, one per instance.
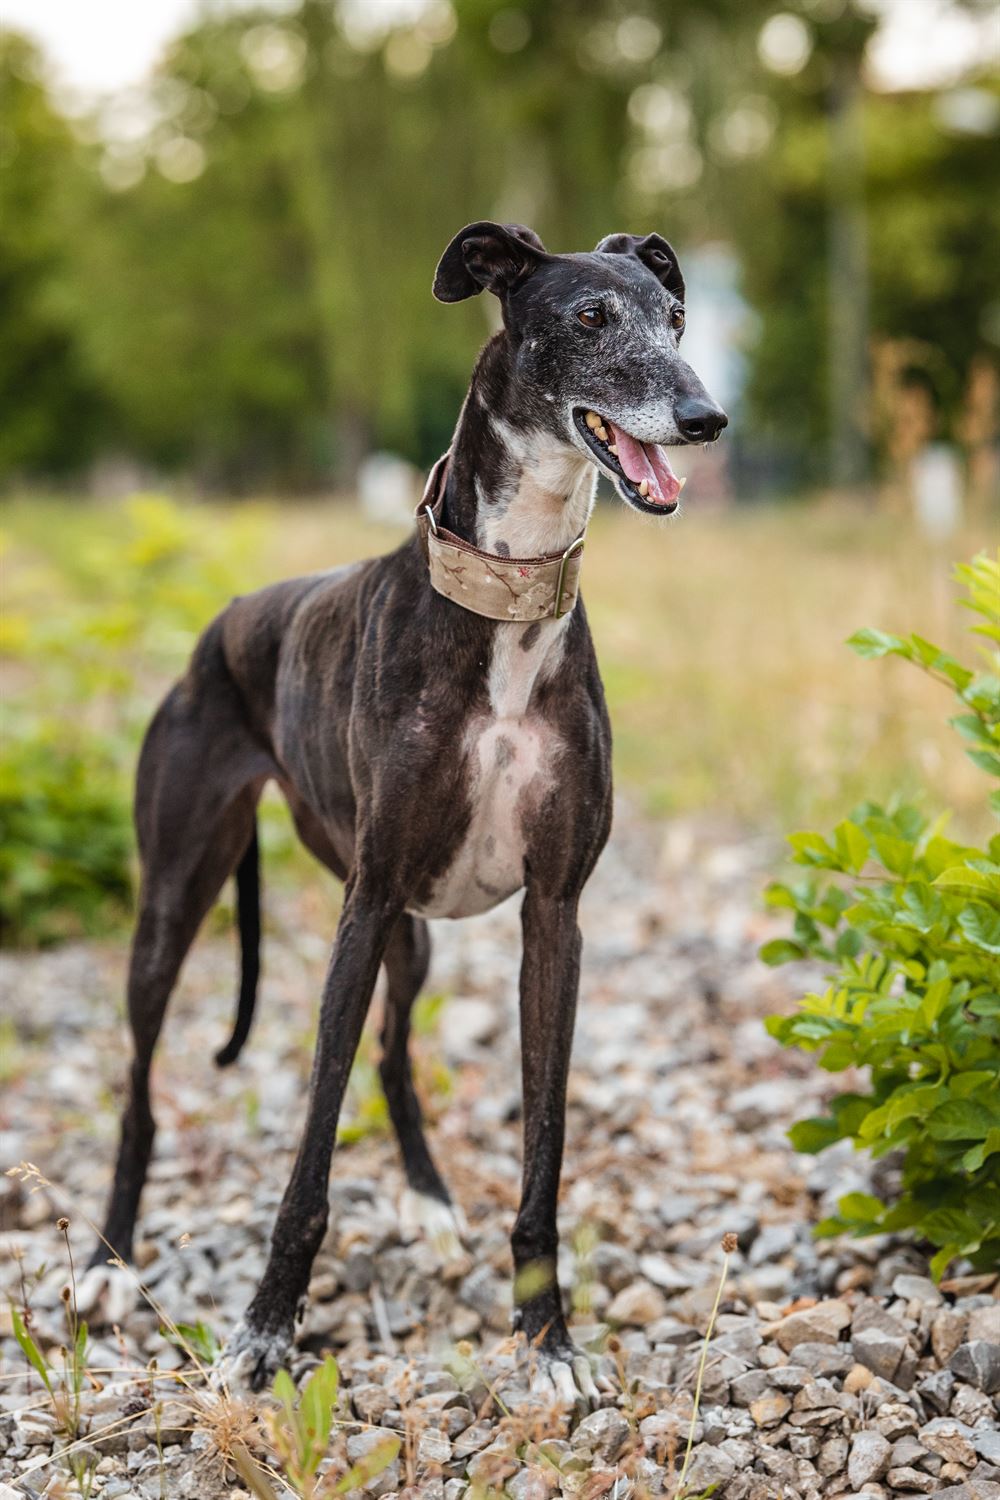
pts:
pixel 837 1369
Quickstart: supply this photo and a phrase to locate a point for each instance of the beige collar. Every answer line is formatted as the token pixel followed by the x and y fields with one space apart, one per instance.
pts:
pixel 501 588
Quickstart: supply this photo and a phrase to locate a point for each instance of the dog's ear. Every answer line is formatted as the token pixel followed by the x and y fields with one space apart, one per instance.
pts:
pixel 487 256
pixel 655 254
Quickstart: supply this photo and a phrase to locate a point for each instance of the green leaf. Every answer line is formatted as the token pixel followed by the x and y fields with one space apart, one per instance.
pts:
pixel 935 999
pixel 781 951
pixel 983 694
pixel 981 926
pixel 942 1260
pixel 921 907
pixel 895 853
pixel 852 845
pixel 960 1120
pixel 365 1470
pixel 316 1409
pixel 916 1102
pixel 194 1338
pixel 814 1134
pixel 964 879
pixel 924 651
pixel 976 1155
pixel 962 1085
pixel 848 944
pixel 943 1225
pixel 871 643
pixel 284 1391
pixel 986 760
pixel 812 849
pixel 861 1208
pixel 971 727
pixel 30 1349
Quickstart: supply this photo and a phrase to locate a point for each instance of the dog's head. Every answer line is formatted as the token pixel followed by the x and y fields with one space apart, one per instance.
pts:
pixel 596 348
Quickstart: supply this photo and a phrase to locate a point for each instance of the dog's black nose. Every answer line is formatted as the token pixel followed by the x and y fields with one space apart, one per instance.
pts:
pixel 700 421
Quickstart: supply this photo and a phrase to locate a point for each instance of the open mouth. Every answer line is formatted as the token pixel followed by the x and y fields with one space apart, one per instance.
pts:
pixel 641 471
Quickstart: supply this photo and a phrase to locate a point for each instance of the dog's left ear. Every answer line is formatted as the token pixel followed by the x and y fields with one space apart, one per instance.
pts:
pixel 487 257
pixel 654 252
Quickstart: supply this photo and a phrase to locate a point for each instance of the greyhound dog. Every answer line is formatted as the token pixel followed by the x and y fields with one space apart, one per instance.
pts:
pixel 436 720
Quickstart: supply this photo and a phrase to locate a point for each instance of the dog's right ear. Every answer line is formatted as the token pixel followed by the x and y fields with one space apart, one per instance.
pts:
pixel 487 256
pixel 654 252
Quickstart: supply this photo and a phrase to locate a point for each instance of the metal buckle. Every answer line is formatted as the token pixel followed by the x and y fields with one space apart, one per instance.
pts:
pixel 429 513
pixel 571 550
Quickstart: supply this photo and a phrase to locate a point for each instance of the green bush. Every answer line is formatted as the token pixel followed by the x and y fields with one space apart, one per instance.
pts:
pixel 65 838
pixel 100 611
pixel 911 921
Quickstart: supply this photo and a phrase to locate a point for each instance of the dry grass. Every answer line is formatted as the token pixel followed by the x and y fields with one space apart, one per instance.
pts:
pixel 721 640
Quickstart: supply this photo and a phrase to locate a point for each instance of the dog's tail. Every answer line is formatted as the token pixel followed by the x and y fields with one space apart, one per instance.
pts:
pixel 248 914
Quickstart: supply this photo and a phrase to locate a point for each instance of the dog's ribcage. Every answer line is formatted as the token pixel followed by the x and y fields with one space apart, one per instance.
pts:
pixel 512 756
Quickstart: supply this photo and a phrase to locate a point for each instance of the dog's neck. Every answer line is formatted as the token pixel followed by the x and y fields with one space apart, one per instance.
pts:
pixel 513 488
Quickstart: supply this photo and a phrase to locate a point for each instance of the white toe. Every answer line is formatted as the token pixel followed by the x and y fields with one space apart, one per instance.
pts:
pixel 249 1361
pixel 584 1377
pixel 567 1383
pixel 427 1218
pixel 105 1295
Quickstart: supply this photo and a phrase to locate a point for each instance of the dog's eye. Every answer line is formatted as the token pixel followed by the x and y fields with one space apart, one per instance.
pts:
pixel 591 317
pixel 677 318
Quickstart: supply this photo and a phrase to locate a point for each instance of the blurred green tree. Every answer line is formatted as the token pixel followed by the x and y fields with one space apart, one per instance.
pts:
pixel 51 404
pixel 234 280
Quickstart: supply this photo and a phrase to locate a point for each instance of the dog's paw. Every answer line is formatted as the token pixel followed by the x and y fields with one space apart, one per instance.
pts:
pixel 563 1377
pixel 105 1295
pixel 250 1359
pixel 441 1225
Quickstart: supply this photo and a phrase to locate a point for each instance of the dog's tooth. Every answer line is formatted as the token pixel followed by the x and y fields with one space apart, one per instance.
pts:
pixel 613 449
pixel 593 421
pixel 601 432
pixel 644 487
pixel 682 484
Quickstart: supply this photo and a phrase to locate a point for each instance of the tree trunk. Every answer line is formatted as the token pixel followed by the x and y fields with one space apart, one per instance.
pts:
pixel 847 273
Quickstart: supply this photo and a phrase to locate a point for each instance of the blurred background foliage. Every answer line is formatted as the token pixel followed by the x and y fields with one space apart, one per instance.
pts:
pixel 215 285
pixel 224 273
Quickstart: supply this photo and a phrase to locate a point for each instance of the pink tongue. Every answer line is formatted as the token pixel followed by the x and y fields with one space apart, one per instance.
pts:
pixel 646 461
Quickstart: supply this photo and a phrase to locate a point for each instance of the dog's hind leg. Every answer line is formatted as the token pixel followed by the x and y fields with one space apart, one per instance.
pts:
pixel 200 777
pixel 173 903
pixel 426 1208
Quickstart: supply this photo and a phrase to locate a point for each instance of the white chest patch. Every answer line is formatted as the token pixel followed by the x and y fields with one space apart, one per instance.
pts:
pixel 510 753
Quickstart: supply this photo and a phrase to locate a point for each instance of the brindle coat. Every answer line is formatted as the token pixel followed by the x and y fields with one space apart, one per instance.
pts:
pixel 435 760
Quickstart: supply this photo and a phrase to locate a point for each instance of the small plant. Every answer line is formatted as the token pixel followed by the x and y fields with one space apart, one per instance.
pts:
pixel 911 922
pixel 301 1430
pixel 64 1384
pixel 194 1338
pixel 300 1435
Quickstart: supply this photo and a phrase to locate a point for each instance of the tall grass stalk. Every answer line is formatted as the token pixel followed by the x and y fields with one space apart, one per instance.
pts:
pixel 728 1246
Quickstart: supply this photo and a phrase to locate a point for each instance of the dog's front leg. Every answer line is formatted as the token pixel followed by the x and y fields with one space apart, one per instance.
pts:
pixel 550 973
pixel 263 1340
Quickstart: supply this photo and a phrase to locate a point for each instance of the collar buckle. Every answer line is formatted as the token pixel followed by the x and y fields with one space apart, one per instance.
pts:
pixel 571 551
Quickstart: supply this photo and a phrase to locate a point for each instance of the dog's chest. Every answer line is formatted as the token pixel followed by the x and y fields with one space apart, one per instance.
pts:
pixel 509 754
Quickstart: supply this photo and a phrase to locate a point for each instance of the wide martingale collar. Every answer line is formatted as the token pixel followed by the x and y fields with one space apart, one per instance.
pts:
pixel 501 588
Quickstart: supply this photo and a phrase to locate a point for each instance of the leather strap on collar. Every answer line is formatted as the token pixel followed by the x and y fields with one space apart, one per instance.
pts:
pixel 501 588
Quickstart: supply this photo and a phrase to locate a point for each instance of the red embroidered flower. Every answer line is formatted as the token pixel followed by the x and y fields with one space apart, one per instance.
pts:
pixel 524 572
